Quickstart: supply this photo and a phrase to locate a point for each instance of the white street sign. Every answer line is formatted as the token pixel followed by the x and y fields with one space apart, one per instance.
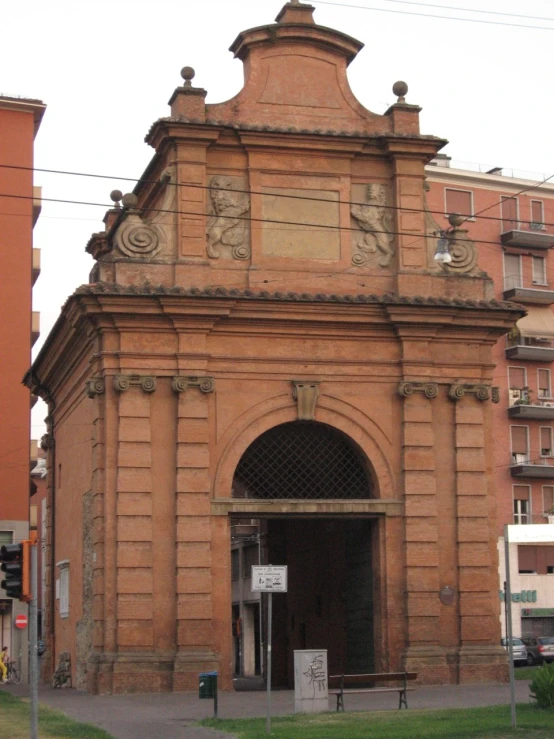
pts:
pixel 269 579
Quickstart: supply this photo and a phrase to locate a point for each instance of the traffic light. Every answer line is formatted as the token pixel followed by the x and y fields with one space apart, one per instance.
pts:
pixel 15 564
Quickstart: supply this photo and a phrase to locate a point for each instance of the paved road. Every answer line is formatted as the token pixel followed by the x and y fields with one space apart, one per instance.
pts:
pixel 172 715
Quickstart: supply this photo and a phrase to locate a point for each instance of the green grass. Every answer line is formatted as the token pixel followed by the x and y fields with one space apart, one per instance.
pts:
pixel 15 722
pixel 525 673
pixel 470 723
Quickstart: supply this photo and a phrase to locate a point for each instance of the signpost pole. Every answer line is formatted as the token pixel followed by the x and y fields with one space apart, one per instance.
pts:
pixel 33 646
pixel 509 634
pixel 269 620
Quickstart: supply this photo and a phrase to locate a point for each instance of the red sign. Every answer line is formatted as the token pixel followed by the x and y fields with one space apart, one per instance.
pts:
pixel 21 622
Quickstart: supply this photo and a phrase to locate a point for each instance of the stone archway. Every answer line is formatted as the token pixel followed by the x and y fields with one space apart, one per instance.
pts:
pixel 330 559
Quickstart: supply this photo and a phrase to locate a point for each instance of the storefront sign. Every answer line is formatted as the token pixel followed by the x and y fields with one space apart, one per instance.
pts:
pixel 526 596
pixel 543 612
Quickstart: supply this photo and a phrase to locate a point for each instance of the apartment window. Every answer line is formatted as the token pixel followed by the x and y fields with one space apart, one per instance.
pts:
pixel 512 271
pixel 548 499
pixel 522 504
pixel 235 566
pixel 537 215
pixel 546 441
pixel 6 537
pixel 517 380
pixel 520 444
pixel 543 383
pixel 64 587
pixel 458 201
pixel 509 212
pixel 539 271
pixel 251 556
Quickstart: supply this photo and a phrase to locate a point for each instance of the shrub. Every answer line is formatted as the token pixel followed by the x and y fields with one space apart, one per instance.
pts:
pixel 542 686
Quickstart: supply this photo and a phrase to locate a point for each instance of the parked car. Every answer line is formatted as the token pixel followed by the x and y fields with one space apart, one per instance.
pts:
pixel 519 650
pixel 539 649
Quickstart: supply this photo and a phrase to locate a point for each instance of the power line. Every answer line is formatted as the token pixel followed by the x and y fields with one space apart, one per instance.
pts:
pixel 281 195
pixel 471 10
pixel 431 15
pixel 304 226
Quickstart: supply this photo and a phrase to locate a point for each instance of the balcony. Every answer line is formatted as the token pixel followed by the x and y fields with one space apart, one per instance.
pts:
pixel 526 236
pixel 532 338
pixel 35 326
pixel 521 406
pixel 523 466
pixel 532 295
pixel 36 266
pixel 531 348
pixel 37 203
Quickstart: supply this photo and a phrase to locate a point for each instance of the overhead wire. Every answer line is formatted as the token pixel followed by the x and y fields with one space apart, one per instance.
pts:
pixel 274 194
pixel 304 226
pixel 435 16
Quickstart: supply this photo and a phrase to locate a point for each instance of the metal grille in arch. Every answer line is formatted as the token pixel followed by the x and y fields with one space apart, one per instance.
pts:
pixel 302 460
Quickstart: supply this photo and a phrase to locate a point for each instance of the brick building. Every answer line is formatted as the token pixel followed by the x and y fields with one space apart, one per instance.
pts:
pixel 515 234
pixel 268 342
pixel 19 328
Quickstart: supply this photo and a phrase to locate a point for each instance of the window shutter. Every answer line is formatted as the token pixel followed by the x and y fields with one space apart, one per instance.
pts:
pixel 521 492
pixel 458 201
pixel 517 377
pixel 519 439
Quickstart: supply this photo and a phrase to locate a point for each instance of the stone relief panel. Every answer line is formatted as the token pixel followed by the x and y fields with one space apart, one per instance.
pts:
pixel 374 219
pixel 227 228
pixel 300 223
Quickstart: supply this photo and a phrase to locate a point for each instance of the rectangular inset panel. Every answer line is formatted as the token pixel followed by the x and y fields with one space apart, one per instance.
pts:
pixel 300 228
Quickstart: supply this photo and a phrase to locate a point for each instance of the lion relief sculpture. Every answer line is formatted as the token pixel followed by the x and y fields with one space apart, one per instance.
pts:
pixel 228 217
pixel 375 220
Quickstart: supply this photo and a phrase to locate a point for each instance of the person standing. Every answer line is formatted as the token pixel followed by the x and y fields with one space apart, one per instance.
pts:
pixel 3 664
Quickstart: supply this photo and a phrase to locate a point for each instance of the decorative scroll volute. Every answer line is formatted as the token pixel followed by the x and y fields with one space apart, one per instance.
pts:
pixel 95 386
pixel 122 383
pixel 429 389
pixel 306 394
pixel 482 392
pixel 180 383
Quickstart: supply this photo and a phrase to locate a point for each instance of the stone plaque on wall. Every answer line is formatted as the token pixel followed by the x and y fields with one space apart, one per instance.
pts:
pixel 296 227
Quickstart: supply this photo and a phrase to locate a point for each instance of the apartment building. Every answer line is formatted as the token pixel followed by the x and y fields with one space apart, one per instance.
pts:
pixel 510 216
pixel 19 329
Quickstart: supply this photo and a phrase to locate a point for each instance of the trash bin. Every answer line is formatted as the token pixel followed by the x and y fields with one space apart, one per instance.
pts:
pixel 207 684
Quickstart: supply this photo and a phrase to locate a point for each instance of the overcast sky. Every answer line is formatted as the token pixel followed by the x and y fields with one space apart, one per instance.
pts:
pixel 106 69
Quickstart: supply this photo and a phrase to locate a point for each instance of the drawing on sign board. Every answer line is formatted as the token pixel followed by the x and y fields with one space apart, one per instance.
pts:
pixel 316 674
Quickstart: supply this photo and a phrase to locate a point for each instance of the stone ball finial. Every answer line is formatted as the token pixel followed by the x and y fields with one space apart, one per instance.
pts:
pixel 187 73
pixel 400 89
pixel 116 196
pixel 456 220
pixel 129 200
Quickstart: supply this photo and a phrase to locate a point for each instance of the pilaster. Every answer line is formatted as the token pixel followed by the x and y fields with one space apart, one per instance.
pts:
pixel 195 580
pixel 423 651
pixel 477 577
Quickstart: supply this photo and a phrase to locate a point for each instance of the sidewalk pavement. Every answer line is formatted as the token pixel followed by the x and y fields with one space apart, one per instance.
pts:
pixel 172 715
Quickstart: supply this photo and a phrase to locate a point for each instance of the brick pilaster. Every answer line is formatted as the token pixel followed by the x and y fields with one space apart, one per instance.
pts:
pixel 423 652
pixel 195 608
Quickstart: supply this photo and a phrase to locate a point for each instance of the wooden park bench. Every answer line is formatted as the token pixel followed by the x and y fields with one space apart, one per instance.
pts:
pixel 339 685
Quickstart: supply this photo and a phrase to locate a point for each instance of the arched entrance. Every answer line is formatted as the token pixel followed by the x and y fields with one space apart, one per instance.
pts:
pixel 330 596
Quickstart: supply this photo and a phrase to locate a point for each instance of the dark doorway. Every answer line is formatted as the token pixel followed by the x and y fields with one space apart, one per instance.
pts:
pixel 329 603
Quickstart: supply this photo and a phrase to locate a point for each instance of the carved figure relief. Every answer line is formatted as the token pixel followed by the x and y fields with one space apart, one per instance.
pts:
pixel 227 221
pixel 375 220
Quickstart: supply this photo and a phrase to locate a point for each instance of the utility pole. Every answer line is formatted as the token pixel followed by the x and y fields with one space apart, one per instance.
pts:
pixel 33 640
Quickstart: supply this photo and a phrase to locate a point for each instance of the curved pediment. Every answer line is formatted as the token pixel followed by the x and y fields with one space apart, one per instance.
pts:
pixel 295 76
